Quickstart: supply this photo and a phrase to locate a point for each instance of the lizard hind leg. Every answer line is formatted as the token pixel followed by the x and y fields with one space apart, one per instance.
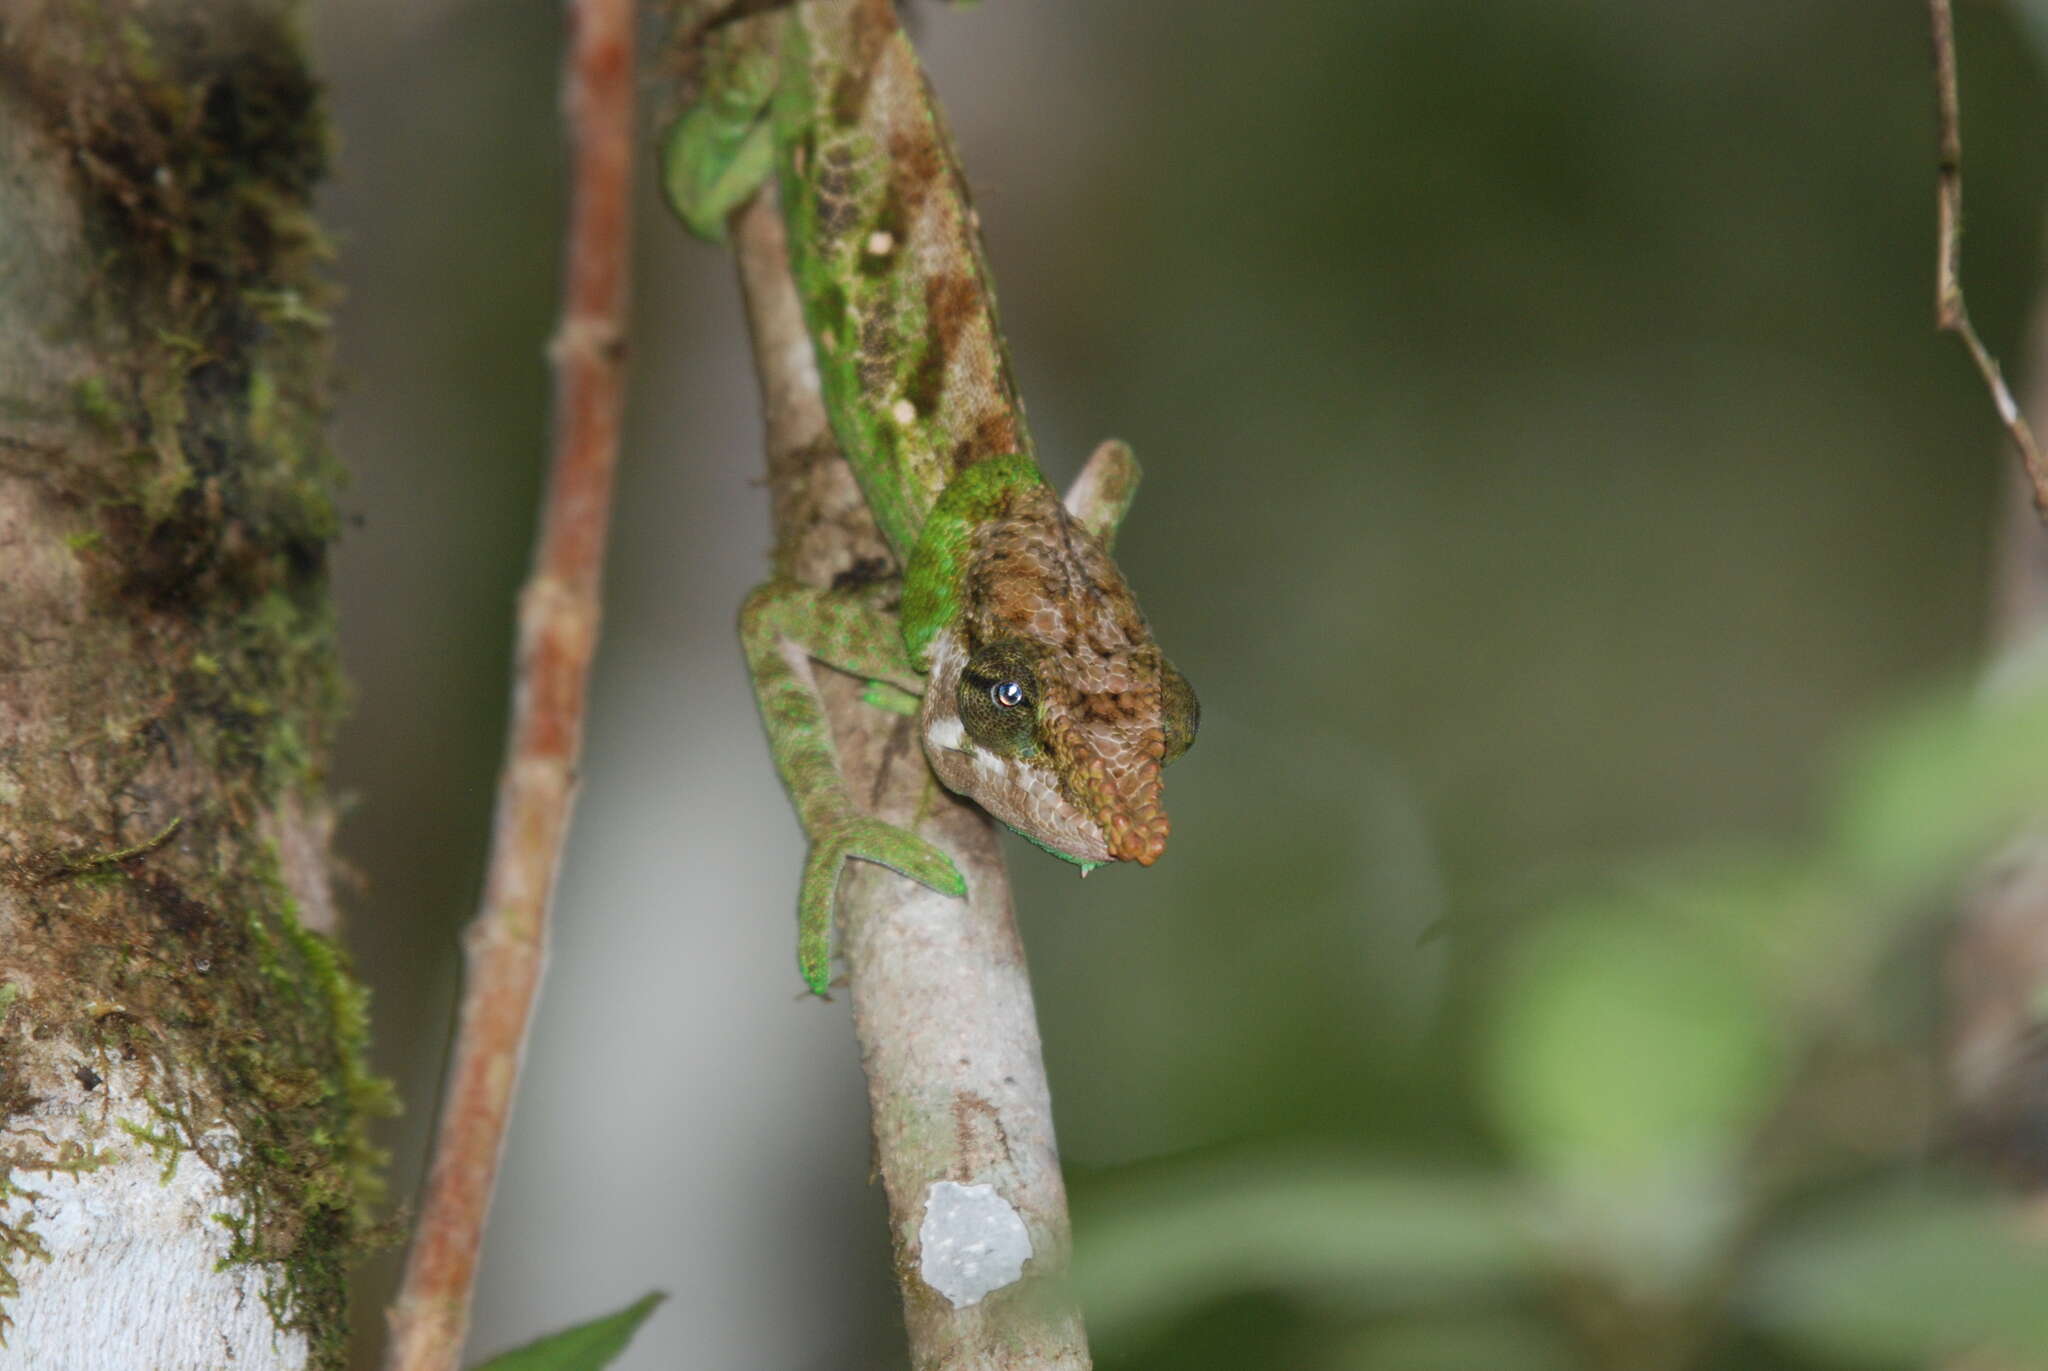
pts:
pixel 783 628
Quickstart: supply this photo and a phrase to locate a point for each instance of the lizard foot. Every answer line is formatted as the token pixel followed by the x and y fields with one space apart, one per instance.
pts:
pixel 870 840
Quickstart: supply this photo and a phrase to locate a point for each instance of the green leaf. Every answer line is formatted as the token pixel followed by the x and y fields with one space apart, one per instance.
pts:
pixel 1302 1227
pixel 586 1347
pixel 1932 792
pixel 1906 1280
pixel 1626 1046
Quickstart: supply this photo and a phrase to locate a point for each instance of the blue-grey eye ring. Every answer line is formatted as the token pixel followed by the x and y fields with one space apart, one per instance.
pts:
pixel 1007 694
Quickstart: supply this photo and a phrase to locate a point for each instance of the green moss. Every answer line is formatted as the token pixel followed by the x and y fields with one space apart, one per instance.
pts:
pixel 287 306
pixel 78 1159
pixel 18 1243
pixel 325 1166
pixel 366 1094
pixel 138 49
pixel 96 403
pixel 166 1147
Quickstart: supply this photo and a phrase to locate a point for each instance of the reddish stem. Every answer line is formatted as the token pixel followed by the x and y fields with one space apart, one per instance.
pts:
pixel 506 946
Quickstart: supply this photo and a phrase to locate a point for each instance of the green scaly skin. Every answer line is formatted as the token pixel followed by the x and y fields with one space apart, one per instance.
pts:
pixel 1037 686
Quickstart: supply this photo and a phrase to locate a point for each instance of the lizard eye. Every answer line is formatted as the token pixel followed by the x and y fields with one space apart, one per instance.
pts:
pixel 997 690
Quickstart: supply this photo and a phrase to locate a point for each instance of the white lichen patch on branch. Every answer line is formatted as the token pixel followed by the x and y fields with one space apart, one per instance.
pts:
pixel 137 1271
pixel 972 1242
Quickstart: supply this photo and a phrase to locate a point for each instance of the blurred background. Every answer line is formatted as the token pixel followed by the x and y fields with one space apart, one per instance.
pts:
pixel 1550 460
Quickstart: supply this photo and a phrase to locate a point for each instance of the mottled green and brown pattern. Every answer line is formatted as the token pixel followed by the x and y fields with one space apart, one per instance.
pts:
pixel 888 258
pixel 1044 697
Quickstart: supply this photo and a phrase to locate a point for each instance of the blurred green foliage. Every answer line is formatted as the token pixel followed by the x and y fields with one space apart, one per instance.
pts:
pixel 1663 1189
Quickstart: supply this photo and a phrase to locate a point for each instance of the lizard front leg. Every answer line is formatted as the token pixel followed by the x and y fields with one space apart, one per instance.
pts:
pixel 784 626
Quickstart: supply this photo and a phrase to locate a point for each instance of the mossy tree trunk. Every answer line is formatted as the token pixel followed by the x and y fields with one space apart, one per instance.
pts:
pixel 182 1166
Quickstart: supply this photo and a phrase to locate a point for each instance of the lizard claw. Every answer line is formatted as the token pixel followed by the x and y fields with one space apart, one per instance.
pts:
pixel 870 840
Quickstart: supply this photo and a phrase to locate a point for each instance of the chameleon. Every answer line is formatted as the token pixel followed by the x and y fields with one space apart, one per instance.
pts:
pixel 1037 688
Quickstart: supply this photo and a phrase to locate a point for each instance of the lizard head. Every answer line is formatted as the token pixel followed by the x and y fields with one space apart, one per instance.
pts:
pixel 1047 702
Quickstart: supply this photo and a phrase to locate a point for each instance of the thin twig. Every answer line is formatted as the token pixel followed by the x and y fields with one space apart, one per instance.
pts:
pixel 1951 314
pixel 505 948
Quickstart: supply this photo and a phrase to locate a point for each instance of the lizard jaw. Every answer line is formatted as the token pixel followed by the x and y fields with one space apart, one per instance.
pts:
pixel 1024 798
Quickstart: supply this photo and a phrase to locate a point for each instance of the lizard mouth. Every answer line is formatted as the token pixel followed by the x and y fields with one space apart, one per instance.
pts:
pixel 1106 808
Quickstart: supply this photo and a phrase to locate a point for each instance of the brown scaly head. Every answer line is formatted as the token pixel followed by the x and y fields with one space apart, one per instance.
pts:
pixel 1048 702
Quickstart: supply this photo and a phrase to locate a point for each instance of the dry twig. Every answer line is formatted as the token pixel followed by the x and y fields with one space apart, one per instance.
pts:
pixel 1951 314
pixel 506 946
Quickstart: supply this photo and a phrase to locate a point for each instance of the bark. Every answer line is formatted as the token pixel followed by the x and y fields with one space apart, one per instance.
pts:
pixel 181 1082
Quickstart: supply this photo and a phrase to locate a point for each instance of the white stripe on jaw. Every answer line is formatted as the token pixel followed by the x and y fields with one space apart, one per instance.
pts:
pixel 948 732
pixel 941 723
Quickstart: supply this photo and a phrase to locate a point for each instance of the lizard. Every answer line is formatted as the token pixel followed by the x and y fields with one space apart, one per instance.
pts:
pixel 1038 690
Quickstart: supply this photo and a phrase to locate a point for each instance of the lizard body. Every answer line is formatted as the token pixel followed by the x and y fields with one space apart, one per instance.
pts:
pixel 1040 693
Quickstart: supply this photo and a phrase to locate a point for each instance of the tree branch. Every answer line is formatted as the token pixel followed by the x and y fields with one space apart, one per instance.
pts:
pixel 1951 313
pixel 506 946
pixel 941 994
